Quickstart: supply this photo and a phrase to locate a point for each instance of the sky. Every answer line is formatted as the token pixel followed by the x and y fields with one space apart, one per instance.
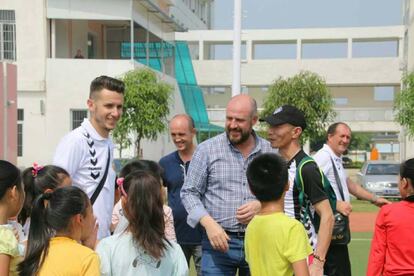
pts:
pixel 275 14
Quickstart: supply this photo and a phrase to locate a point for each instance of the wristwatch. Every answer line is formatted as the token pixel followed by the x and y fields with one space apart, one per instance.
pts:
pixel 374 199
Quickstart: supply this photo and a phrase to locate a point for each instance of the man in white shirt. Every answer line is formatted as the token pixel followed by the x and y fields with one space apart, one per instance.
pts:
pixel 338 139
pixel 87 151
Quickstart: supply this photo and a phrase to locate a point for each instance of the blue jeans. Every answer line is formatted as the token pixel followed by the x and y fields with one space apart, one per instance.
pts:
pixel 216 263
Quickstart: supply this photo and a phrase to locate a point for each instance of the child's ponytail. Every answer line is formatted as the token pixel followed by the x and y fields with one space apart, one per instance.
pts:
pixel 36 180
pixel 39 237
pixel 51 213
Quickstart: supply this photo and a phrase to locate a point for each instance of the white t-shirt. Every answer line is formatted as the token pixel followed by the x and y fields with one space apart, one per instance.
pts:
pixel 121 256
pixel 323 158
pixel 84 154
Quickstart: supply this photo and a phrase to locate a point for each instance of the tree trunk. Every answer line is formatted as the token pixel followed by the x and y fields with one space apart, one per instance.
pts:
pixel 138 151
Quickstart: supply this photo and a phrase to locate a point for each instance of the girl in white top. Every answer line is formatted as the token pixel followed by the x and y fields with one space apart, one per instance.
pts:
pixel 142 249
pixel 119 222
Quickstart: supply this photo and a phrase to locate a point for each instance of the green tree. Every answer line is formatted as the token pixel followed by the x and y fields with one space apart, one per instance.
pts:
pixel 308 92
pixel 120 136
pixel 360 141
pixel 146 106
pixel 404 104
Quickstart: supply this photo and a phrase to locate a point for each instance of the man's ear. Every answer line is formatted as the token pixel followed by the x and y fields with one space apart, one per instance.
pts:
pixel 90 104
pixel 255 119
pixel 297 131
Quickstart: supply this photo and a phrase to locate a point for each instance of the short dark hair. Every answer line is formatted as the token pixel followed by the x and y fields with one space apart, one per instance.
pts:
pixel 267 175
pixel 105 82
pixel 407 170
pixel 9 177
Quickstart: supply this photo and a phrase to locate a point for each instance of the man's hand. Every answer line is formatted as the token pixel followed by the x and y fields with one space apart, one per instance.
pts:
pixel 343 207
pixel 247 211
pixel 379 202
pixel 216 235
pixel 316 268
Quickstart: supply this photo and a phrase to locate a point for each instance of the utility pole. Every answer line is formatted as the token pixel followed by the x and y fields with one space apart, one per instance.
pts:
pixel 235 89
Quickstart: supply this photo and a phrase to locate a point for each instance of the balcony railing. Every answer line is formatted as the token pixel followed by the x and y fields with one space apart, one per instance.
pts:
pixel 343 114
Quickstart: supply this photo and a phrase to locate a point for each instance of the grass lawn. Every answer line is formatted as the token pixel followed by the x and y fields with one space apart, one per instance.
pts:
pixel 363 206
pixel 359 251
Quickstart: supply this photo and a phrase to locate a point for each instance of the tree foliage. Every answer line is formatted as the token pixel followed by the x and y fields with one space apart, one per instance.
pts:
pixel 404 104
pixel 146 106
pixel 308 92
pixel 120 136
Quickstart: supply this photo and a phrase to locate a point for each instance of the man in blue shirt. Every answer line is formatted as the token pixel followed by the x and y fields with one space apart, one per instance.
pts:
pixel 216 194
pixel 175 165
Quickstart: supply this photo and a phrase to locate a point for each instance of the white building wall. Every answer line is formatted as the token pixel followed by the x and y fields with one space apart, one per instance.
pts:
pixel 359 71
pixel 68 83
pixel 360 75
pixel 31 42
pixel 409 31
pixel 81 9
pixel 49 88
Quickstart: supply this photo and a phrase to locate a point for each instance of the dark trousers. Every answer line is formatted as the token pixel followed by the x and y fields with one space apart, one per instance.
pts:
pixel 337 261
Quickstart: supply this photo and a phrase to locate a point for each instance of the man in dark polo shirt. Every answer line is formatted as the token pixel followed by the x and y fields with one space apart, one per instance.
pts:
pixel 175 165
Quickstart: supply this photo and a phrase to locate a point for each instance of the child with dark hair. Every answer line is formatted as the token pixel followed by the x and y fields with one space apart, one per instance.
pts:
pixel 119 222
pixel 392 250
pixel 11 201
pixel 275 244
pixel 60 220
pixel 38 180
pixel 142 249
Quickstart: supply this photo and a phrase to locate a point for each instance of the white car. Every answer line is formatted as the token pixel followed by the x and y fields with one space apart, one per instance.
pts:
pixel 380 178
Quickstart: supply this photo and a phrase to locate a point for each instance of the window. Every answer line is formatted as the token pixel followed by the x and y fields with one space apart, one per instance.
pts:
pixel 324 49
pixel 383 93
pixel 20 118
pixel 7 35
pixel 341 101
pixel 274 50
pixel 77 117
pixel 386 48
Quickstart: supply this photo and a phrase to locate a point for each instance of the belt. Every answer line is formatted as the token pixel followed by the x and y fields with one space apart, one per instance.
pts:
pixel 235 234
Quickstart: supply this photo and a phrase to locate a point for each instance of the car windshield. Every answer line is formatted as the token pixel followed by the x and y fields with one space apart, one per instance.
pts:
pixel 381 169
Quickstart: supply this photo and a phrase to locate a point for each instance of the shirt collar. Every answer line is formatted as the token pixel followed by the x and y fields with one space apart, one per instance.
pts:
pixel 257 146
pixel 86 124
pixel 335 157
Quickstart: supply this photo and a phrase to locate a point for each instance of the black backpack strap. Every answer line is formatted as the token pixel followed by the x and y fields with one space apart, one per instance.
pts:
pixel 338 180
pixel 103 180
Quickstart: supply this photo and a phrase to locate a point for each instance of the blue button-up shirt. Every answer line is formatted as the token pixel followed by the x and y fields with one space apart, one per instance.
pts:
pixel 216 182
